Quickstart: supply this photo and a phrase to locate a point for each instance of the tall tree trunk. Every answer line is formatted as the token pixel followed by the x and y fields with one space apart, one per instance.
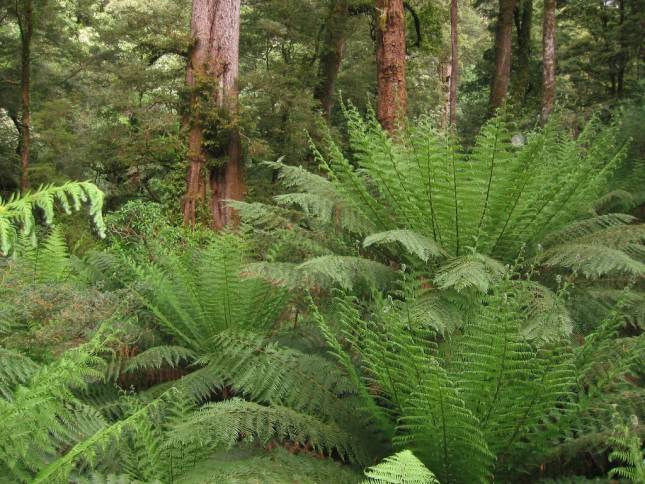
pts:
pixel 548 53
pixel 623 52
pixel 390 64
pixel 335 38
pixel 26 27
pixel 454 50
pixel 524 18
pixel 212 76
pixel 503 46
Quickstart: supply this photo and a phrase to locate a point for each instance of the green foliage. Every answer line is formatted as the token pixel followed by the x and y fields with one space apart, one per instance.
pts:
pixel 48 261
pixel 197 295
pixel 401 468
pixel 486 402
pixel 627 451
pixel 15 369
pixel 17 213
pixel 461 214
pixel 219 425
pixel 44 416
pixel 277 466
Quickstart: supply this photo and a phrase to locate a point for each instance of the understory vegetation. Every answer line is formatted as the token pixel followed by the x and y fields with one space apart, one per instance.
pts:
pixel 435 317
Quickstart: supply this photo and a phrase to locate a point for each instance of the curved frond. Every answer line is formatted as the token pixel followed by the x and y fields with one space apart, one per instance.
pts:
pixel 417 244
pixel 400 468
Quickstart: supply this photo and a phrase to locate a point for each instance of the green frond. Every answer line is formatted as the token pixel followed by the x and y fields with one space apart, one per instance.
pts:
pixel 160 356
pixel 323 271
pixel 276 375
pixel 400 468
pixel 627 450
pixel 545 316
pixel 474 270
pixel 414 243
pixel 592 260
pixel 224 424
pixel 15 369
pixel 586 227
pixel 48 261
pixel 44 416
pixel 17 213
pixel 199 294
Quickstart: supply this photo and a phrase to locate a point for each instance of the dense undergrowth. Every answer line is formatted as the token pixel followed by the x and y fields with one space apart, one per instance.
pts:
pixel 422 311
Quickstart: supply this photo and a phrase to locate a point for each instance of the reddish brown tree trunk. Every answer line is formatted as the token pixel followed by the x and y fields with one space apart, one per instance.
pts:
pixel 25 25
pixel 390 64
pixel 212 76
pixel 503 46
pixel 548 52
pixel 454 71
pixel 332 55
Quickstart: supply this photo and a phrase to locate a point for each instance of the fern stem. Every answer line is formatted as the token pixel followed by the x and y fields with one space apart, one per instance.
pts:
pixel 490 181
pixel 430 201
pixel 456 199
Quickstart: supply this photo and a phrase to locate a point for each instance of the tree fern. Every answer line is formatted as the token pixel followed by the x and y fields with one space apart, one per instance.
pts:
pixel 17 213
pixel 474 406
pixel 199 294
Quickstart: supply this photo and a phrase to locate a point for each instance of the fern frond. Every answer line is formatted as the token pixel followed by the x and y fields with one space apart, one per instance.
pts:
pixel 414 243
pixel 17 213
pixel 400 468
pixel 474 270
pixel 44 415
pixel 628 451
pixel 48 261
pixel 323 271
pixel 223 424
pixel 196 296
pixel 15 369
pixel 592 260
pixel 159 356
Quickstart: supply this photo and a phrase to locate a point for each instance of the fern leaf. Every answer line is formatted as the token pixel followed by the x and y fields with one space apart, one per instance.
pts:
pixel 17 213
pixel 400 468
pixel 414 243
pixel 475 270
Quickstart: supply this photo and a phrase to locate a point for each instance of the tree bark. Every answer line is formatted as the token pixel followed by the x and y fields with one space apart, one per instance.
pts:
pixel 212 76
pixel 503 52
pixel 454 71
pixel 390 64
pixel 548 53
pixel 524 18
pixel 335 38
pixel 26 27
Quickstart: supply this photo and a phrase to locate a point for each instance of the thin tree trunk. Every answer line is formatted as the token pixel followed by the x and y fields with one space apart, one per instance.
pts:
pixel 503 52
pixel 454 50
pixel 623 54
pixel 212 76
pixel 390 64
pixel 523 26
pixel 332 55
pixel 25 24
pixel 548 52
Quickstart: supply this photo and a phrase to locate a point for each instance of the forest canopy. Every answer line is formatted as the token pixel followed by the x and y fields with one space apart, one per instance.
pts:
pixel 322 241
